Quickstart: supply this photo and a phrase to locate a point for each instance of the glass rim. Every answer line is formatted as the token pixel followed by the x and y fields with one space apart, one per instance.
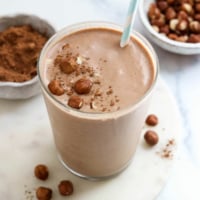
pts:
pixel 89 25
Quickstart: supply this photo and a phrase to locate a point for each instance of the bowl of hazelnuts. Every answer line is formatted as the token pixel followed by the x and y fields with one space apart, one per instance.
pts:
pixel 174 25
pixel 22 38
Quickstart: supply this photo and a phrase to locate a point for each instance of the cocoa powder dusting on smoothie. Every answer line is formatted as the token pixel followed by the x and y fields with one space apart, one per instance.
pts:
pixel 106 77
pixel 19 50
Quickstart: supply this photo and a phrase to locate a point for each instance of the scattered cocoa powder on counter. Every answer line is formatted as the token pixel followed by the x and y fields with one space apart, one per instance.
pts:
pixel 19 50
pixel 28 194
pixel 167 151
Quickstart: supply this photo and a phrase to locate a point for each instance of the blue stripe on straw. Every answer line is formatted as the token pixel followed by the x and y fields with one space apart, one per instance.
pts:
pixel 129 23
pixel 126 34
pixel 132 6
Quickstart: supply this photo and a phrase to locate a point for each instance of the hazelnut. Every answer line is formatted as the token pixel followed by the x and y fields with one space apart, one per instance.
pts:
pixel 83 86
pixel 170 1
pixel 182 15
pixel 170 13
pixel 194 38
pixel 151 138
pixel 182 25
pixel 159 21
pixel 195 27
pixel 41 172
pixel 197 7
pixel 66 188
pixel 182 38
pixel 187 8
pixel 67 66
pixel 172 36
pixel 173 23
pixel 164 29
pixel 197 17
pixel 43 193
pixel 190 19
pixel 191 2
pixel 152 120
pixel 156 28
pixel 153 11
pixel 55 88
pixel 162 5
pixel 75 102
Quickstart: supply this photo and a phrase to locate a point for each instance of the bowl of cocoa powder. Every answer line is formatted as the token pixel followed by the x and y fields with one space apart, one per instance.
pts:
pixel 22 38
pixel 173 25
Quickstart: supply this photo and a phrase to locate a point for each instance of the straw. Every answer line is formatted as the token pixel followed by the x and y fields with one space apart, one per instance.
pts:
pixel 129 23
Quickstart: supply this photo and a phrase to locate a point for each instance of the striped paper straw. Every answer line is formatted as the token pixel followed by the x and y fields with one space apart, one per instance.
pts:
pixel 129 23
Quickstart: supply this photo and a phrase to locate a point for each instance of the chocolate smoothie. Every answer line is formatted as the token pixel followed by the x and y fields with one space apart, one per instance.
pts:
pixel 96 97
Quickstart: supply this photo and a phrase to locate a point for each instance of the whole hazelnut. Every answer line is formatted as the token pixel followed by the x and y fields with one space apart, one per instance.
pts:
pixel 197 17
pixel 151 138
pixel 187 8
pixel 153 11
pixel 83 86
pixel 191 2
pixel 173 23
pixel 159 21
pixel 182 38
pixel 182 15
pixel 194 38
pixel 65 188
pixel 156 28
pixel 41 172
pixel 56 88
pixel 170 1
pixel 197 7
pixel 152 120
pixel 165 29
pixel 43 193
pixel 75 102
pixel 182 25
pixel 195 26
pixel 172 36
pixel 170 13
pixel 162 5
pixel 67 66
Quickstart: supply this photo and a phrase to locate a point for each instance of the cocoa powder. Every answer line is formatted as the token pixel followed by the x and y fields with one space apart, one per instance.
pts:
pixel 81 81
pixel 19 50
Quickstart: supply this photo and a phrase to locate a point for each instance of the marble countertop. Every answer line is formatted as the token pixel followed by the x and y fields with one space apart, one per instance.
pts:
pixel 181 73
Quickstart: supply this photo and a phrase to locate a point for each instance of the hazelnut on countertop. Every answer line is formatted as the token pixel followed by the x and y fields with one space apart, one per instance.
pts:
pixel 151 138
pixel 65 188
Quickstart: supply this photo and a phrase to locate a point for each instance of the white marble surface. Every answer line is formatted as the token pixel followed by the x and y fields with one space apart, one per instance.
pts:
pixel 180 72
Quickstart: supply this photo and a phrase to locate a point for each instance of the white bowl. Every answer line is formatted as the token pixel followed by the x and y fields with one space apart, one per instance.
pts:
pixel 162 40
pixel 27 89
